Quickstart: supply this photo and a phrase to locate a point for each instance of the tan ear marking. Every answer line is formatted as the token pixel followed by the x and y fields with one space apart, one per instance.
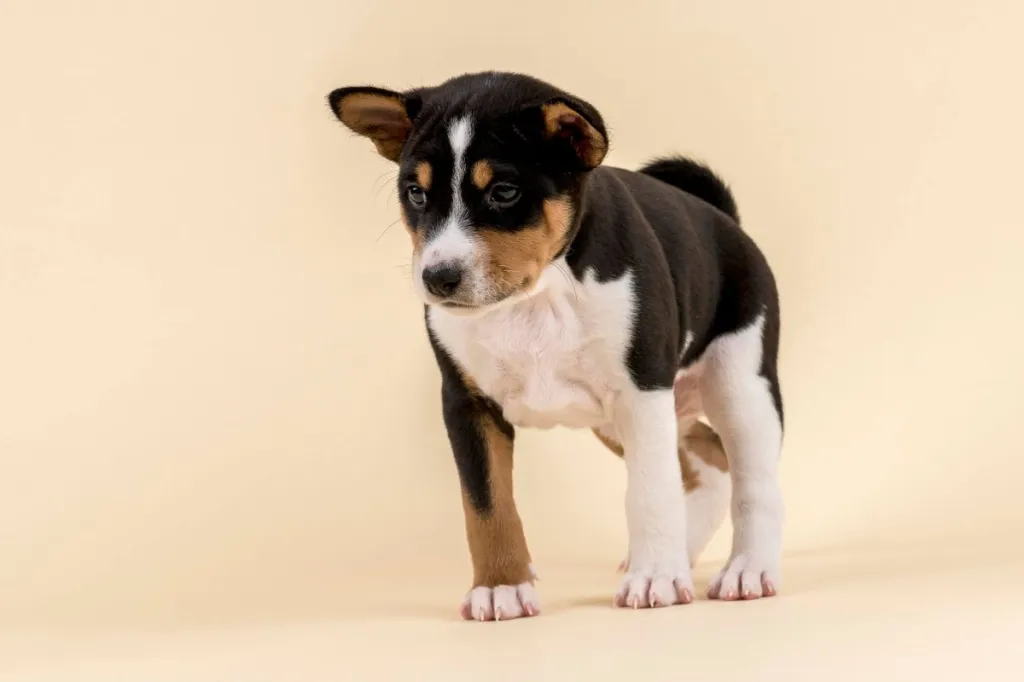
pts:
pixel 380 117
pixel 561 120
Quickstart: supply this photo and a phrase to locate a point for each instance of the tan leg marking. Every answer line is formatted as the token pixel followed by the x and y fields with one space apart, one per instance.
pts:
pixel 496 540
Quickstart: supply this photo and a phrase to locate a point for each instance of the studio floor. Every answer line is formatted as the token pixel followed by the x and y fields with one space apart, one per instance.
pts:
pixel 934 613
pixel 222 452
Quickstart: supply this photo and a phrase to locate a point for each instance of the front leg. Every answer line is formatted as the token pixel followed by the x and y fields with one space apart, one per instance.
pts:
pixel 659 568
pixel 481 441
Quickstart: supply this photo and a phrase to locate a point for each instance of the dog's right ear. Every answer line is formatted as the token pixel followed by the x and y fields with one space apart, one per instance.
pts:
pixel 379 114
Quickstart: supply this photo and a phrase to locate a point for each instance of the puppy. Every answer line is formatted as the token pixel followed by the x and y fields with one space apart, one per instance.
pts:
pixel 561 292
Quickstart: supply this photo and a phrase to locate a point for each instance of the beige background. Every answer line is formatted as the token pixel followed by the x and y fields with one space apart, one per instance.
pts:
pixel 220 446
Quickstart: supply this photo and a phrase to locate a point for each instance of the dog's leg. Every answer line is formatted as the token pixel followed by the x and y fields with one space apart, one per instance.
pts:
pixel 482 444
pixel 706 472
pixel 739 390
pixel 659 568
pixel 706 483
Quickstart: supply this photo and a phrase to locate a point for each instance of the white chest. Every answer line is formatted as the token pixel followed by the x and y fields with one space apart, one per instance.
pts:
pixel 555 358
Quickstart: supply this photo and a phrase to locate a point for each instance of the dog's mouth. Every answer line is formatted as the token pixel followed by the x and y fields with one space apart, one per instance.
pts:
pixel 457 306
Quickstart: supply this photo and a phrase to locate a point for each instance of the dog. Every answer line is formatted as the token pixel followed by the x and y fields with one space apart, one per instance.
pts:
pixel 560 291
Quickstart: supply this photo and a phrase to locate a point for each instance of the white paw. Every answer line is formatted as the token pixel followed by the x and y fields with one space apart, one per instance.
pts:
pixel 655 587
pixel 503 602
pixel 746 576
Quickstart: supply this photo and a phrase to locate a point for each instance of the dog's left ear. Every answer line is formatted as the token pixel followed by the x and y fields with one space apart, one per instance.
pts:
pixel 578 127
pixel 381 115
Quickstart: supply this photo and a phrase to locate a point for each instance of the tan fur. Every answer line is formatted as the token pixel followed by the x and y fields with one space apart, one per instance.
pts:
pixel 381 118
pixel 590 144
pixel 414 235
pixel 482 174
pixel 497 543
pixel 424 174
pixel 515 259
pixel 700 441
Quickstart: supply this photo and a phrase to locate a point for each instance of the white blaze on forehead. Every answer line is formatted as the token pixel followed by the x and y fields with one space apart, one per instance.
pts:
pixel 459 133
pixel 453 241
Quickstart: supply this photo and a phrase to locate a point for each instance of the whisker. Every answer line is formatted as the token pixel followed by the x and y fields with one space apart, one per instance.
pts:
pixel 568 280
pixel 392 195
pixel 381 235
pixel 385 175
pixel 376 190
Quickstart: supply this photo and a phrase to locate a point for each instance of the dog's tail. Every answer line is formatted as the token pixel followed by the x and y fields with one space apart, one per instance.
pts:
pixel 695 178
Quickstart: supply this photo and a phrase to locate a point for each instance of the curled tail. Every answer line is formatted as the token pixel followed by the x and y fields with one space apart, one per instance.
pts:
pixel 695 178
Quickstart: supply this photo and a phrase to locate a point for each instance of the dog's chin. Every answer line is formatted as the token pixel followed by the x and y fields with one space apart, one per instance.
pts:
pixel 473 308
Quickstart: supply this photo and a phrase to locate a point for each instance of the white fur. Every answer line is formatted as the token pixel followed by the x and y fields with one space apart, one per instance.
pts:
pixel 659 567
pixel 503 602
pixel 454 241
pixel 556 356
pixel 738 403
pixel 706 506
pixel 687 341
pixel 553 356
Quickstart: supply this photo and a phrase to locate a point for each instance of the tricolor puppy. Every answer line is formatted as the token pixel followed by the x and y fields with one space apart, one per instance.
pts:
pixel 560 292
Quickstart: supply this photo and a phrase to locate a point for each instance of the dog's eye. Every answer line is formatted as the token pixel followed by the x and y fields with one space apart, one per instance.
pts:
pixel 503 194
pixel 417 197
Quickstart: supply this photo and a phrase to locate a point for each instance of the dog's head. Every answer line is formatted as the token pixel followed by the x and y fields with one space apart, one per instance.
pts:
pixel 491 170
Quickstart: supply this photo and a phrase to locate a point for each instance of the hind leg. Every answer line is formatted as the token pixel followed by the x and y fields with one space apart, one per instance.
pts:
pixel 739 391
pixel 707 496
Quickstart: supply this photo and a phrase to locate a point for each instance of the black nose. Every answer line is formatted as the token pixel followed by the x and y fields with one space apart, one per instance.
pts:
pixel 442 280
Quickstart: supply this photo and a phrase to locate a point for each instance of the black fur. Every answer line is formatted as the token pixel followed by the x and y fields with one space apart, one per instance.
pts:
pixel 697 271
pixel 465 416
pixel 747 283
pixel 695 178
pixel 674 224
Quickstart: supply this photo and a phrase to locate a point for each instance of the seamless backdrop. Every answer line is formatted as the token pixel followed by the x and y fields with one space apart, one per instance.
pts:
pixel 219 412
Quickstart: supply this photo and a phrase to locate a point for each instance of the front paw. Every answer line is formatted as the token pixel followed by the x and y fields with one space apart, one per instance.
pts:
pixel 746 576
pixel 655 586
pixel 503 602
